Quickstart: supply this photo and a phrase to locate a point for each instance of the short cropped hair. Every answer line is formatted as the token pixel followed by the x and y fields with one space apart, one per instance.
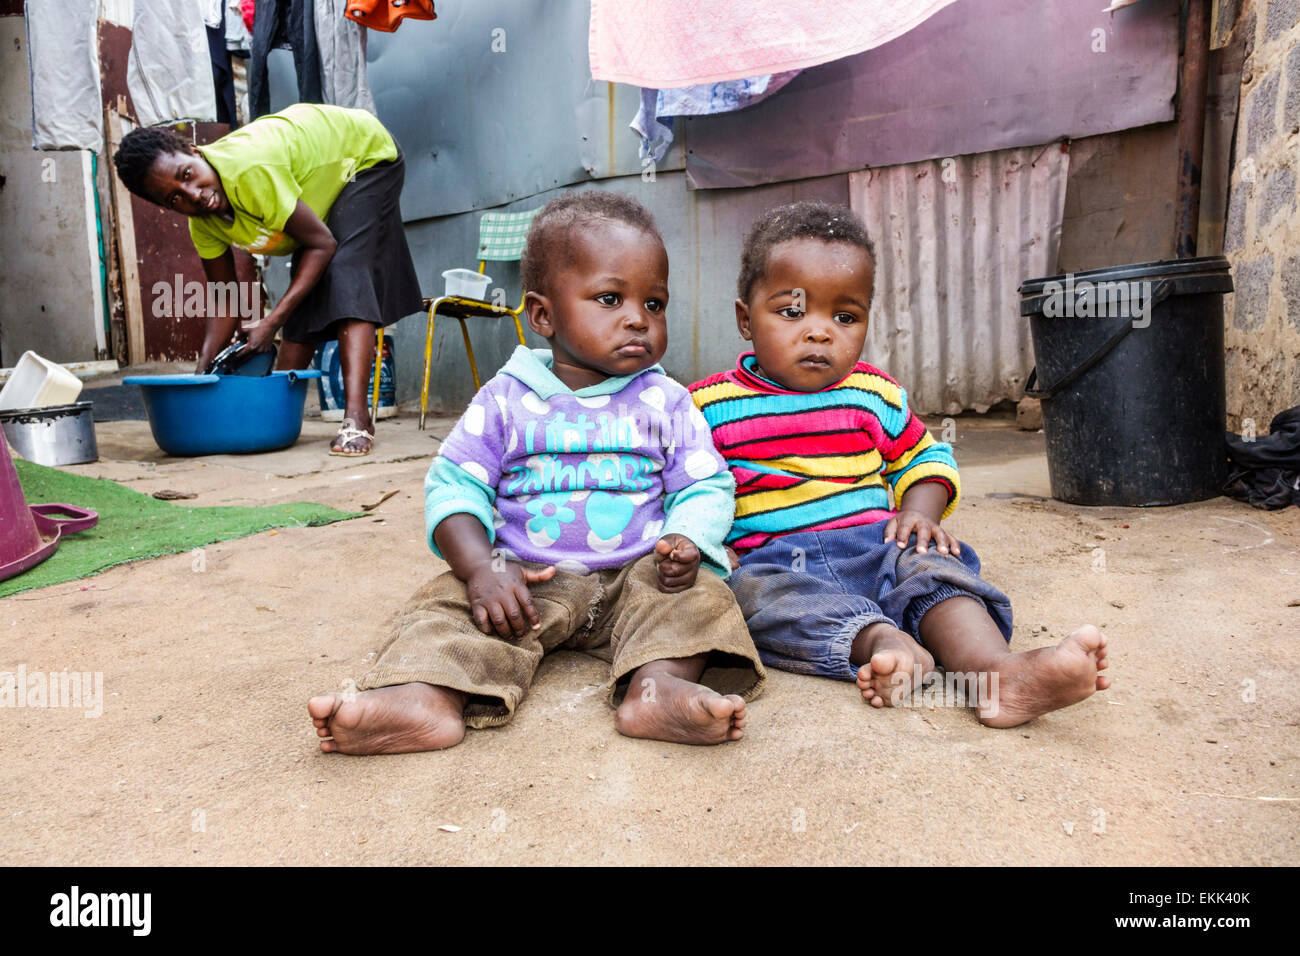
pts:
pixel 549 236
pixel 798 220
pixel 139 149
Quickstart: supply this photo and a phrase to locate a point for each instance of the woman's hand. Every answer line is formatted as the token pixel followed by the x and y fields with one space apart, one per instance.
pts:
pixel 262 336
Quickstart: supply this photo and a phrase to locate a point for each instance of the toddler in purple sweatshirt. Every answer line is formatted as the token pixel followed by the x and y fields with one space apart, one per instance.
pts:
pixel 575 501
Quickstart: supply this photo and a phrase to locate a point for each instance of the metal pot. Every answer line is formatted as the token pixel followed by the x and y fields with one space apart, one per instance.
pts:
pixel 53 435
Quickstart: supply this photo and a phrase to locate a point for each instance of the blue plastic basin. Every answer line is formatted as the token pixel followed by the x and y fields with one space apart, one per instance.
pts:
pixel 224 414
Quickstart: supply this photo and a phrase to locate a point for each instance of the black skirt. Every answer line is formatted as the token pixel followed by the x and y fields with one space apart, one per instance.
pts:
pixel 371 276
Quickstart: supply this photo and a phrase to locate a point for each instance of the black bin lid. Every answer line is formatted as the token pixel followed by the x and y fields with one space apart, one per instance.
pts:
pixel 1190 277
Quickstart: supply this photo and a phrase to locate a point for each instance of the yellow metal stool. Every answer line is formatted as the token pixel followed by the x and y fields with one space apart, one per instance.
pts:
pixel 379 364
pixel 501 238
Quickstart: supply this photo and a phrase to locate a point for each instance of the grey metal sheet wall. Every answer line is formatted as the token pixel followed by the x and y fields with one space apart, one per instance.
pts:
pixel 954 240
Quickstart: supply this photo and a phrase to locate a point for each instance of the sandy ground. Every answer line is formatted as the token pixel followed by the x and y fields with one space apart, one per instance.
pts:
pixel 204 753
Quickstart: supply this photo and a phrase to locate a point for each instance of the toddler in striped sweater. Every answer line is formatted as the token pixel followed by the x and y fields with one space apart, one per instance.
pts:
pixel 834 577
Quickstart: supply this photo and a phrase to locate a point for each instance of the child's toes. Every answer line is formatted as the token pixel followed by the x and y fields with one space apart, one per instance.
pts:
pixel 719 707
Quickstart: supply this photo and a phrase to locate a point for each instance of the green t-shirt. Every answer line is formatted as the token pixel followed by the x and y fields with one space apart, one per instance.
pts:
pixel 306 152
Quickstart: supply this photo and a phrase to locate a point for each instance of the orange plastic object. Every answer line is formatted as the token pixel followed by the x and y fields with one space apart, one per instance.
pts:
pixel 387 15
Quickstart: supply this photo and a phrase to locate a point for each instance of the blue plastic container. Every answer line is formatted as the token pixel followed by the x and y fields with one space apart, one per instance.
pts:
pixel 330 384
pixel 224 414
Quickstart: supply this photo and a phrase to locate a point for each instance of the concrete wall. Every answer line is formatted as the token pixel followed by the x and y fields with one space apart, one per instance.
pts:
pixel 1262 239
pixel 50 284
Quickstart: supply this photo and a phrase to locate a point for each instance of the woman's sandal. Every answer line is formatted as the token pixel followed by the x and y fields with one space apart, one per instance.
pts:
pixel 349 433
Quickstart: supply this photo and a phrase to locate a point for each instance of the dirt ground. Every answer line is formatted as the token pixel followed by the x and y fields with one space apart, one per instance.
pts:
pixel 204 753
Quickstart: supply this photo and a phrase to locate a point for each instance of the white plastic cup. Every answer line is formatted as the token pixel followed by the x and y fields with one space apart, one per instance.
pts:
pixel 466 283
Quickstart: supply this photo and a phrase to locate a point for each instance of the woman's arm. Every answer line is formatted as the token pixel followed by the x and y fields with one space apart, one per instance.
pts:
pixel 220 328
pixel 318 245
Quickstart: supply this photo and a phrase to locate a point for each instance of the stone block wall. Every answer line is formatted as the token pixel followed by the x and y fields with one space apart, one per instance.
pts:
pixel 1262 237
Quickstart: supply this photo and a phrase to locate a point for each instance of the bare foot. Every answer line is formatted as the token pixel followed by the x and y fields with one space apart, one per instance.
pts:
pixel 1046 679
pixel 661 706
pixel 895 666
pixel 404 718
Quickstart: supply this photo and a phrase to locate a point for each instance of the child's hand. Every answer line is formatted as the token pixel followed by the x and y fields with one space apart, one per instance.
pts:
pixel 499 598
pixel 679 561
pixel 903 524
pixel 733 558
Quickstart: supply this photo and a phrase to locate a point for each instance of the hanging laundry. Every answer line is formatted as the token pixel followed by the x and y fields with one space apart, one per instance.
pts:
pixel 213 12
pixel 342 46
pixel 168 71
pixel 239 39
pixel 655 131
pixel 223 77
pixel 653 120
pixel 284 24
pixel 63 59
pixel 387 15
pixel 664 44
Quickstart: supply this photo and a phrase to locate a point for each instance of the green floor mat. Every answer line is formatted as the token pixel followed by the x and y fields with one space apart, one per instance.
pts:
pixel 134 526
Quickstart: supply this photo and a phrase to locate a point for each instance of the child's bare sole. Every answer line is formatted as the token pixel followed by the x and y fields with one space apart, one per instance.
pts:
pixel 405 718
pixel 895 667
pixel 679 712
pixel 1048 678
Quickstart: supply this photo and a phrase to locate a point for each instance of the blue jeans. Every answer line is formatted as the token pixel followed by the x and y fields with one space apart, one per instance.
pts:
pixel 806 596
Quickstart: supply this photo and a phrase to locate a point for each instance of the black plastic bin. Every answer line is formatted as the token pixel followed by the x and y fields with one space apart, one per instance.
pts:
pixel 1129 368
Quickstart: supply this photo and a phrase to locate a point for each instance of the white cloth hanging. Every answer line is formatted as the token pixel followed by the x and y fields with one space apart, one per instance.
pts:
pixel 63 60
pixel 169 70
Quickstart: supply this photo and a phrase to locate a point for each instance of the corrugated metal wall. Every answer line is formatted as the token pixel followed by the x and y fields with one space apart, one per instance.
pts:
pixel 954 240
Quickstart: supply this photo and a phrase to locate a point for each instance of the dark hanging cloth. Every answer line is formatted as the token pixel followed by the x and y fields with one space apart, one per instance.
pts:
pixel 223 77
pixel 278 24
pixel 1266 471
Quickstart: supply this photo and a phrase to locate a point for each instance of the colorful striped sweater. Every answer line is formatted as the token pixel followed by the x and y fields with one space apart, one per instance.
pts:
pixel 812 461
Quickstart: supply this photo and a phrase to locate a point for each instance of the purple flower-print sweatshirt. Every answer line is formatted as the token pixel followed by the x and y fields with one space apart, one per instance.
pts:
pixel 583 480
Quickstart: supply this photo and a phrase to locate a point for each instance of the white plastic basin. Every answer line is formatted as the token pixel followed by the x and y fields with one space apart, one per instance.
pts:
pixel 467 283
pixel 37 382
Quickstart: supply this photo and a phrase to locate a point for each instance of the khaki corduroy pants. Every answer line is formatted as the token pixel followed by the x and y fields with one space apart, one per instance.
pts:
pixel 618 615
